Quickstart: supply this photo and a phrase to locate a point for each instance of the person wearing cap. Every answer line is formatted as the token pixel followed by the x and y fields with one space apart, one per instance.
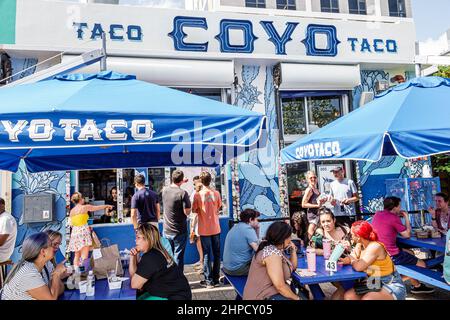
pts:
pixel 343 197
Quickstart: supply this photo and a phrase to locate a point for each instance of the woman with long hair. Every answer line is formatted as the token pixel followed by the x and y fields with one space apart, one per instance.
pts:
pixel 271 268
pixel 312 202
pixel 370 256
pixel 25 281
pixel 299 223
pixel 55 240
pixel 331 230
pixel 81 238
pixel 154 273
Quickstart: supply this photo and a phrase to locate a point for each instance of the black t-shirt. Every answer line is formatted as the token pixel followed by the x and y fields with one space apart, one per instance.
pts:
pixel 163 281
pixel 175 200
pixel 145 201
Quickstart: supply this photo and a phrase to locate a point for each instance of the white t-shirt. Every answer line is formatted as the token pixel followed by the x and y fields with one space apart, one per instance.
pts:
pixel 25 279
pixel 341 190
pixel 8 225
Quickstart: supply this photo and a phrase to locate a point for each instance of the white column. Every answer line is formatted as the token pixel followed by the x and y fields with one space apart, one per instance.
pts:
pixel 378 8
pixel 308 5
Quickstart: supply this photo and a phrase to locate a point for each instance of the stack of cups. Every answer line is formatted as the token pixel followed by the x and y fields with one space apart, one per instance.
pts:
pixel 326 248
pixel 311 259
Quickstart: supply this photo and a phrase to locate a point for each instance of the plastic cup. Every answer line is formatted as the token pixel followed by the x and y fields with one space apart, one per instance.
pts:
pixel 112 276
pixel 326 248
pixel 311 259
pixel 337 252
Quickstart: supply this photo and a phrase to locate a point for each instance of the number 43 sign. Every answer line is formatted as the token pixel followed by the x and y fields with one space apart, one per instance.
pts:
pixel 330 265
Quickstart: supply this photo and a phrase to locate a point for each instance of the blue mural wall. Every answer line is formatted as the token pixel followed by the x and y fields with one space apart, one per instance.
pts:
pixel 25 183
pixel 258 169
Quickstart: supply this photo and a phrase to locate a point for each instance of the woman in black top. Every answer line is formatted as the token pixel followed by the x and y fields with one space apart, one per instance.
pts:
pixel 155 274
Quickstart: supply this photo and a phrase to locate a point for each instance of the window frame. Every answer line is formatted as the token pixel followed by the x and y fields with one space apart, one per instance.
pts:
pixel 255 3
pixel 330 7
pixel 286 5
pixel 358 10
pixel 398 4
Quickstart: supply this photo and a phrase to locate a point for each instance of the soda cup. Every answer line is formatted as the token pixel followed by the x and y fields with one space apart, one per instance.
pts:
pixel 337 252
pixel 311 259
pixel 326 248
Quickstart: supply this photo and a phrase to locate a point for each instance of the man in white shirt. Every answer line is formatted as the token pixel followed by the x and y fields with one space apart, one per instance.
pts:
pixel 344 194
pixel 8 234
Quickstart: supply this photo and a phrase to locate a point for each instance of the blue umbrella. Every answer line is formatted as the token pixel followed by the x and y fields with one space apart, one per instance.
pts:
pixel 112 120
pixel 410 120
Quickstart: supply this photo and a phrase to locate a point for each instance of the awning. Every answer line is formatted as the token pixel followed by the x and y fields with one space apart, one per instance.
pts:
pixel 171 72
pixel 296 76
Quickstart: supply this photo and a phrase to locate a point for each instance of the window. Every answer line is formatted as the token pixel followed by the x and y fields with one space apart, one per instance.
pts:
pixel 294 120
pixel 397 8
pixel 255 3
pixel 303 114
pixel 322 111
pixel 357 6
pixel 286 4
pixel 329 6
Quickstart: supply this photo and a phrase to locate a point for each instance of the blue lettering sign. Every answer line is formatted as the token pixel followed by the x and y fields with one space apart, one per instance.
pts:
pixel 178 34
pixel 353 41
pixel 96 31
pixel 391 46
pixel 80 26
pixel 134 33
pixel 279 42
pixel 224 36
pixel 112 31
pixel 365 45
pixel 376 45
pixel 310 40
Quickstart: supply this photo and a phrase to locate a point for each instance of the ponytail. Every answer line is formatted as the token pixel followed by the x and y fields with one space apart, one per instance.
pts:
pixel 364 230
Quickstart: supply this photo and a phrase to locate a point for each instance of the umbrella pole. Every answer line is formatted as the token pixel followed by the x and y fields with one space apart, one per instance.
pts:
pixel 103 60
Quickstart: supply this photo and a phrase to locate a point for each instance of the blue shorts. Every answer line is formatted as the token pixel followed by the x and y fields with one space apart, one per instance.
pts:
pixel 404 258
pixel 394 285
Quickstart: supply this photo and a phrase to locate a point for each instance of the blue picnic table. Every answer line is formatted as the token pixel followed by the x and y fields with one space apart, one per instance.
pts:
pixel 426 275
pixel 344 273
pixel 436 244
pixel 102 292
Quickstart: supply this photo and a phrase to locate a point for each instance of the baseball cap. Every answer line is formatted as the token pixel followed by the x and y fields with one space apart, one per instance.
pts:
pixel 337 168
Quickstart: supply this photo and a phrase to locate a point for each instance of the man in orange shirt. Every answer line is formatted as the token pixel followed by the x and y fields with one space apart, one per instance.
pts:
pixel 207 203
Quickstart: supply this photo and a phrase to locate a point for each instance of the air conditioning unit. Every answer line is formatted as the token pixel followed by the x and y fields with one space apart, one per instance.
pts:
pixel 366 97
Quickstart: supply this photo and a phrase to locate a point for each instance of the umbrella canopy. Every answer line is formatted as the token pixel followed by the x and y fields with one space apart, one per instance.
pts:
pixel 410 120
pixel 112 120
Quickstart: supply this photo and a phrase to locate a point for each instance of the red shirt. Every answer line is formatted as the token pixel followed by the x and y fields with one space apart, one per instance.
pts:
pixel 388 225
pixel 207 204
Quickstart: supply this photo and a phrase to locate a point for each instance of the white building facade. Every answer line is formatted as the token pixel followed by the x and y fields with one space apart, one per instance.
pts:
pixel 303 66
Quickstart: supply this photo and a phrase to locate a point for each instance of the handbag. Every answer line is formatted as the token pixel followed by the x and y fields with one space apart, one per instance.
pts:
pixel 109 260
pixel 361 287
pixel 95 240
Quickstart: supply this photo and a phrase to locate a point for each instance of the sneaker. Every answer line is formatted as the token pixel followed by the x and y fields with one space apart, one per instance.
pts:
pixel 422 289
pixel 206 284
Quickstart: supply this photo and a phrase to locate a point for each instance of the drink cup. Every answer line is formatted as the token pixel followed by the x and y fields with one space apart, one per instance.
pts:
pixel 311 259
pixel 326 248
pixel 337 252
pixel 112 276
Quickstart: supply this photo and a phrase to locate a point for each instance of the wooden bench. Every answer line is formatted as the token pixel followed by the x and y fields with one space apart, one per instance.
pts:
pixel 424 275
pixel 238 283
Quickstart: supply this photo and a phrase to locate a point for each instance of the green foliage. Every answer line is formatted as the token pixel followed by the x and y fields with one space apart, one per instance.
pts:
pixel 294 117
pixel 444 71
pixel 441 163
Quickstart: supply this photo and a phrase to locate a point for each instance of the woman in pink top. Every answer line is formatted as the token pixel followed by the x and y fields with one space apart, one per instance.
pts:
pixel 207 203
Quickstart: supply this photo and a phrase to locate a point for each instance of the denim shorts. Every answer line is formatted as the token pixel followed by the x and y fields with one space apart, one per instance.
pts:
pixel 394 285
